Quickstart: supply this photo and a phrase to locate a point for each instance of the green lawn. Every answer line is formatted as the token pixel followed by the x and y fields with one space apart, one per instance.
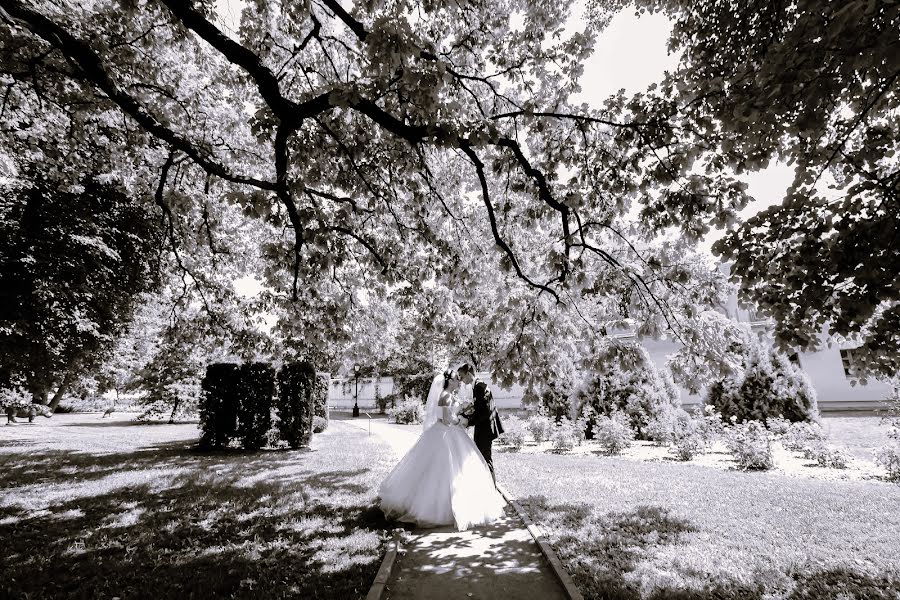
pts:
pixel 102 509
pixel 627 529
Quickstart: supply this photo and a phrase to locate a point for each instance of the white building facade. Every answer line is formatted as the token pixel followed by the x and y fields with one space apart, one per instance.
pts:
pixel 830 369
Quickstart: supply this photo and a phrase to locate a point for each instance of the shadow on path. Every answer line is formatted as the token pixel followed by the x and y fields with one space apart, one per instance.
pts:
pixel 499 561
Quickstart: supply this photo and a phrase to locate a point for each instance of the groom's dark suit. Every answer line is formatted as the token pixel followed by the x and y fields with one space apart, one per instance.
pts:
pixel 486 421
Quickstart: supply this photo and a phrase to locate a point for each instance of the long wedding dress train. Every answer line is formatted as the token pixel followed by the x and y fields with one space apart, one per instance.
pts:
pixel 442 480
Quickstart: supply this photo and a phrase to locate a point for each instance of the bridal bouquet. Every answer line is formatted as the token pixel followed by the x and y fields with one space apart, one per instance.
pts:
pixel 466 410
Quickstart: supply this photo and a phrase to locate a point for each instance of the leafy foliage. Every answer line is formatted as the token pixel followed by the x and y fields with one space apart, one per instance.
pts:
pixel 888 458
pixel 540 425
pixel 715 347
pixel 768 386
pixel 624 378
pixel 408 412
pixel 613 432
pixel 299 392
pixel 219 405
pixel 815 85
pixel 255 387
pixel 751 446
pixel 73 263
pixel 515 433
pixel 563 437
pixel 399 171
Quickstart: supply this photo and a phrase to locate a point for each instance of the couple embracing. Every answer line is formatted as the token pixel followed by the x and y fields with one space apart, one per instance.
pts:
pixel 446 478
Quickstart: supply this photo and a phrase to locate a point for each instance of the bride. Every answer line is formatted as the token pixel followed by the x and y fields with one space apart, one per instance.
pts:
pixel 443 479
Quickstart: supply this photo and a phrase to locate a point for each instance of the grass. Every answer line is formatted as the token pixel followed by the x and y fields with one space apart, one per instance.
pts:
pixel 861 436
pixel 102 509
pixel 629 530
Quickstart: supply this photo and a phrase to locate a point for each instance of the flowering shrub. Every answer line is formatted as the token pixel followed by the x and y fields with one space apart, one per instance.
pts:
pixel 613 433
pixel 778 425
pixel 540 425
pixel 889 458
pixel 515 439
pixel 835 458
pixel 687 439
pixel 14 398
pixel 750 444
pixel 408 412
pixel 802 435
pixel 711 424
pixel 563 436
pixel 514 433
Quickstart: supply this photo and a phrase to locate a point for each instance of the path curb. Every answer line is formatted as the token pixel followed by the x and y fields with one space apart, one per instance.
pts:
pixel 571 591
pixel 376 592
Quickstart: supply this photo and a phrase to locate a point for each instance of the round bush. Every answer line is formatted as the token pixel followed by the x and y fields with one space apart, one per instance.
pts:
pixel 563 437
pixel 625 378
pixel 319 424
pixel 768 386
pixel 540 426
pixel 687 438
pixel 749 443
pixel 888 458
pixel 613 433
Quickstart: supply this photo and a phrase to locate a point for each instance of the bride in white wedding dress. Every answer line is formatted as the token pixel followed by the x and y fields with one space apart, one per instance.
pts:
pixel 443 479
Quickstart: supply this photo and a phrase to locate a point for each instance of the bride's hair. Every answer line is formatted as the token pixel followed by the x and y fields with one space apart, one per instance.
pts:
pixel 449 374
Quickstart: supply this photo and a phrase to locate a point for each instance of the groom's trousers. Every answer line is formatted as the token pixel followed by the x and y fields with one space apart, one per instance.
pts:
pixel 484 445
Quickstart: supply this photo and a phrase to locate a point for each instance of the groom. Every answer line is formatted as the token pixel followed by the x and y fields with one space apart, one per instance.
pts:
pixel 483 415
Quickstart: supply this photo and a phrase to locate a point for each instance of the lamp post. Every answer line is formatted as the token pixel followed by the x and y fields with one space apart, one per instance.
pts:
pixel 356 394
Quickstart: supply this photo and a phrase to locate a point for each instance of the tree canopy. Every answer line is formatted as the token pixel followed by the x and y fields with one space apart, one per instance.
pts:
pixel 813 84
pixel 72 267
pixel 426 153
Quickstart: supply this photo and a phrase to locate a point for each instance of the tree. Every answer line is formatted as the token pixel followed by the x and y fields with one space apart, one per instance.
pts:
pixel 72 266
pixel 384 150
pixel 816 85
pixel 716 348
pixel 767 386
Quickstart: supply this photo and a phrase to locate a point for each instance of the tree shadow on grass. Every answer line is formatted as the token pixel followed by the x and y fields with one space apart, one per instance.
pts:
pixel 168 522
pixel 130 423
pixel 600 551
pixel 843 584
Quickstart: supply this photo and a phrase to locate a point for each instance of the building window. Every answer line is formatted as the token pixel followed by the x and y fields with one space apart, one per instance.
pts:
pixel 849 362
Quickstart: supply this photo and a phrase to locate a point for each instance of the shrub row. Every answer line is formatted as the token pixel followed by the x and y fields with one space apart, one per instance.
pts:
pixel 237 403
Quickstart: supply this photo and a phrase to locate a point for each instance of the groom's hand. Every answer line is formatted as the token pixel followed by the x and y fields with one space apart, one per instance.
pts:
pixel 463 422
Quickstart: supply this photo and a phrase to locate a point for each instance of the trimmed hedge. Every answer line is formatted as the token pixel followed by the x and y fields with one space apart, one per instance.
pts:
pixel 237 403
pixel 297 393
pixel 218 405
pixel 254 387
pixel 320 399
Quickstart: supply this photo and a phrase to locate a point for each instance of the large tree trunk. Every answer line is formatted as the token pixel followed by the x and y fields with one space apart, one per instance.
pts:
pixel 174 408
pixel 62 389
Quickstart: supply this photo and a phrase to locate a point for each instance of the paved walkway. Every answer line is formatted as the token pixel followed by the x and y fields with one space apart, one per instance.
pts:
pixel 500 561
